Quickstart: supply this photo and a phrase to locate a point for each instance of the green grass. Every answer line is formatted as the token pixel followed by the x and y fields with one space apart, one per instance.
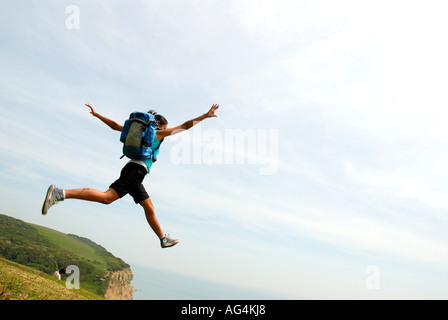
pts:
pixel 73 245
pixel 48 250
pixel 18 282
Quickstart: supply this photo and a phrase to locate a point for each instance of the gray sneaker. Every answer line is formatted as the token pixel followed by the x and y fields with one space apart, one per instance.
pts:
pixel 166 241
pixel 54 195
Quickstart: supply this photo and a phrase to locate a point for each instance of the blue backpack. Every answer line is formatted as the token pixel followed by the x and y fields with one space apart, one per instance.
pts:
pixel 138 135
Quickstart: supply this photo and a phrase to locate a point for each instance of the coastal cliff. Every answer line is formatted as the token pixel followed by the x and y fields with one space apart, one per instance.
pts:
pixel 48 250
pixel 120 285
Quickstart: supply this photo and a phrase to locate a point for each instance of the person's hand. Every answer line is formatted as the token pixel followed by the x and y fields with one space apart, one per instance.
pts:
pixel 92 111
pixel 211 112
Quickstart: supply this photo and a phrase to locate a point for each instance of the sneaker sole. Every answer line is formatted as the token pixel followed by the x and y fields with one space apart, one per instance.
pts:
pixel 47 199
pixel 170 245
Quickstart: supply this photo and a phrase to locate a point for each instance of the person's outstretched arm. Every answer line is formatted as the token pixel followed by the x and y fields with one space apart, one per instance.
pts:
pixel 112 124
pixel 187 125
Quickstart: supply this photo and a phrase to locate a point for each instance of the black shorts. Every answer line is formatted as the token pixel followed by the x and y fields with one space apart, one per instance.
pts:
pixel 130 181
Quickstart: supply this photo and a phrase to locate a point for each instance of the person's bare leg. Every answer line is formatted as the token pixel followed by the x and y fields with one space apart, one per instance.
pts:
pixel 151 217
pixel 92 195
pixel 165 240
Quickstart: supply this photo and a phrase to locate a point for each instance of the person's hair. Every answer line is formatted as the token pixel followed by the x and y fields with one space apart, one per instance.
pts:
pixel 162 120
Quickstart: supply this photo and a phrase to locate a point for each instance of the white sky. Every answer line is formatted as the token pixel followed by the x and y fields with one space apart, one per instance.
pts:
pixel 355 90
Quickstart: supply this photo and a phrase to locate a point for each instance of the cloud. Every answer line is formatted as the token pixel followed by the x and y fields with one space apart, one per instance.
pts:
pixel 353 90
pixel 394 186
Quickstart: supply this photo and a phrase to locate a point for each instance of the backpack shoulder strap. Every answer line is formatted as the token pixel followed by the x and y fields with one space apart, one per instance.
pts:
pixel 154 158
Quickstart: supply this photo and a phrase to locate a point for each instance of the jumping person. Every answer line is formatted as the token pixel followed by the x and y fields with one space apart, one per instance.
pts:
pixel 131 176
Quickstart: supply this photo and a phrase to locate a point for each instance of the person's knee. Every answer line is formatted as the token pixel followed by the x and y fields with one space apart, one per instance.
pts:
pixel 147 206
pixel 109 197
pixel 107 200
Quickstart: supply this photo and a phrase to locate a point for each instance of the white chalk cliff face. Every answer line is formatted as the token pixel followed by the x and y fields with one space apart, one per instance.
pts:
pixel 120 285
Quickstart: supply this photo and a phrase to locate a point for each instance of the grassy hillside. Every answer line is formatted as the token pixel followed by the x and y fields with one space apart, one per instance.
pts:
pixel 83 248
pixel 49 250
pixel 18 282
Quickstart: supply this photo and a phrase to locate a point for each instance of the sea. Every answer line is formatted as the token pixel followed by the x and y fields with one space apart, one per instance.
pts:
pixel 153 284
